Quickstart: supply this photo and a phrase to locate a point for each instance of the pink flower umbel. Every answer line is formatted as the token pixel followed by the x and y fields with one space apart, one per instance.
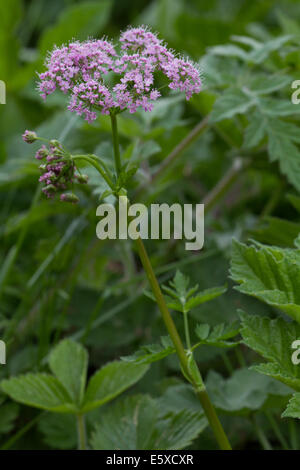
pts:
pixel 85 71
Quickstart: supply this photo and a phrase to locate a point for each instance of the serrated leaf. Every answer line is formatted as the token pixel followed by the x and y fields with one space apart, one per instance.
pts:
pixel 205 296
pixel 152 352
pixel 136 424
pixel 244 392
pixel 111 380
pixel 40 391
pixel 69 361
pixel 218 335
pixel 293 408
pixel 270 274
pixel 287 153
pixel 260 54
pixel 273 340
pixel 255 131
pixel 59 431
pixel 233 101
pixel 263 85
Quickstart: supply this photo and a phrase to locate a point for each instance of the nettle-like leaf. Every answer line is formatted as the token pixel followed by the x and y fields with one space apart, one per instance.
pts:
pixel 245 391
pixel 218 335
pixel 293 407
pixel 111 380
pixel 152 352
pixel 137 423
pixel 65 393
pixel 273 340
pixel 268 273
pixel 182 298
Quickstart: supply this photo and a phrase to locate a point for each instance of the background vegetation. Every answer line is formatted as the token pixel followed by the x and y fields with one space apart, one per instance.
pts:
pixel 239 155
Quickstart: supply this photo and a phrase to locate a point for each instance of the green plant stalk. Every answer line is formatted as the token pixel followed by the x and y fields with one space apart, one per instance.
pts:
pixel 96 165
pixel 199 387
pixel 277 430
pixel 81 432
pixel 200 392
pixel 187 331
pixel 264 441
pixel 114 127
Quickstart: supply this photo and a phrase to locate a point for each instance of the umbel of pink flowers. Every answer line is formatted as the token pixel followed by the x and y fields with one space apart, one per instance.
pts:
pixel 100 76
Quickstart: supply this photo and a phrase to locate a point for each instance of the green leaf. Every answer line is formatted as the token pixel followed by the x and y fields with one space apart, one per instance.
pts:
pixel 277 231
pixel 260 54
pixel 59 431
pixel 111 380
pixel 218 335
pixel 136 424
pixel 273 340
pixel 233 101
pixel 268 273
pixel 205 296
pixel 244 392
pixel 263 85
pixel 9 413
pixel 293 408
pixel 69 361
pixel 274 107
pixel 255 131
pixel 282 149
pixel 76 22
pixel 230 50
pixel 259 51
pixel 39 390
pixel 152 352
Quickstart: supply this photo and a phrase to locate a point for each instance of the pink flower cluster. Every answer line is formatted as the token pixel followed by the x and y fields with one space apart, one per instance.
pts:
pixel 85 70
pixel 58 172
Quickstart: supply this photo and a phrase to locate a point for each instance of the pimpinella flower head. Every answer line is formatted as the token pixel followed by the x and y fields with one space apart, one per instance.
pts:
pixel 58 172
pixel 83 70
pixel 29 137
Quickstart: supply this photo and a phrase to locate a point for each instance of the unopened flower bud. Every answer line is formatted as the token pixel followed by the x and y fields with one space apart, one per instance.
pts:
pixel 41 153
pixel 29 137
pixel 50 188
pixel 69 197
pixel 83 179
pixel 54 143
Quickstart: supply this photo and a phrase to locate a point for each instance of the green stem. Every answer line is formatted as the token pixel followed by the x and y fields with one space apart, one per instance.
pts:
pixel 96 165
pixel 213 420
pixel 115 135
pixel 197 383
pixel 201 393
pixel 264 441
pixel 161 304
pixel 187 331
pixel 81 432
pixel 175 153
pixel 293 434
pixel 225 183
pixel 277 430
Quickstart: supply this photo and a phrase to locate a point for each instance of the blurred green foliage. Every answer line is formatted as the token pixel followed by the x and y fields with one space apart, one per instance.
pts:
pixel 58 280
